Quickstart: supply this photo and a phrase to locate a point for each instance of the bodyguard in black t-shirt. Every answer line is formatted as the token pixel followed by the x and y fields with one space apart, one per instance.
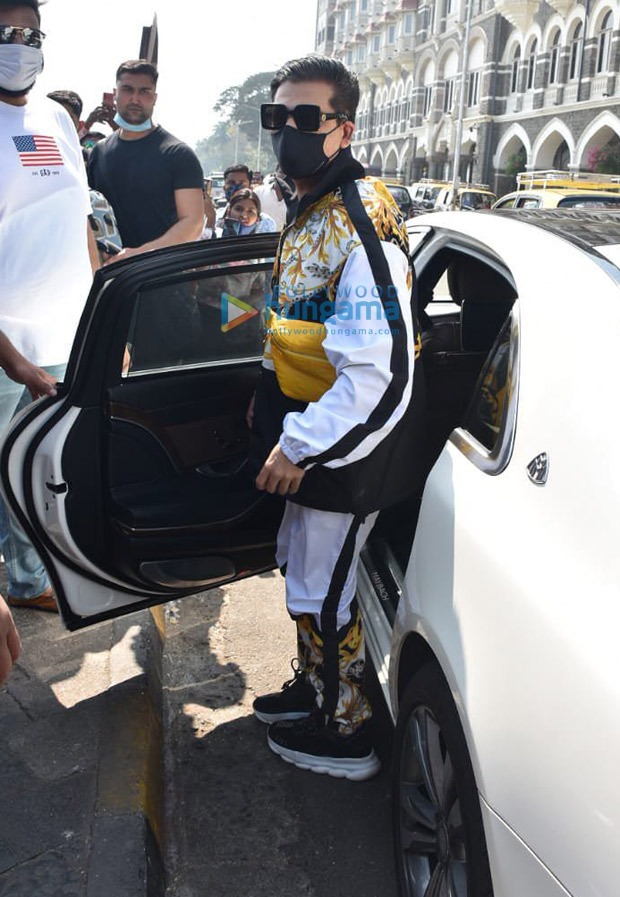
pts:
pixel 152 180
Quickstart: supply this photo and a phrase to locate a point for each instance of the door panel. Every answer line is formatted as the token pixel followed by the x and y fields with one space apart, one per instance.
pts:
pixel 136 478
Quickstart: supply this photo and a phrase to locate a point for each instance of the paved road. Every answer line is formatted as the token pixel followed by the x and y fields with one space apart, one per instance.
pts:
pixel 241 822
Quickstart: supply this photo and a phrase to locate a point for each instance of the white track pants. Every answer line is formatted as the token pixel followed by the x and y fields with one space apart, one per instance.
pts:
pixel 320 550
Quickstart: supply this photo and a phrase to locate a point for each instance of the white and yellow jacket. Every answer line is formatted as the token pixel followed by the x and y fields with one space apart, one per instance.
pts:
pixel 341 347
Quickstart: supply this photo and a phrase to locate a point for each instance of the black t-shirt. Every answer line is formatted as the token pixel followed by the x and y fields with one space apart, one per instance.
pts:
pixel 139 178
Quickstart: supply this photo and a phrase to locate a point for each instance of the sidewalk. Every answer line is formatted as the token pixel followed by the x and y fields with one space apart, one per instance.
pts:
pixel 80 762
pixel 99 796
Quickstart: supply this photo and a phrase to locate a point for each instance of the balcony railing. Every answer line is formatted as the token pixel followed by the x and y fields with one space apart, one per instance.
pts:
pixel 600 86
pixel 570 93
pixel 528 101
pixel 551 97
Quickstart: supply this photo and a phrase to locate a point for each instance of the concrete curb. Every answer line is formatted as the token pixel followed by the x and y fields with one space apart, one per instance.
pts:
pixel 128 847
pixel 82 774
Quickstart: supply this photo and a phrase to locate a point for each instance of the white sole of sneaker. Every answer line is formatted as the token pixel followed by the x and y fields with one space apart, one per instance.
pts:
pixel 278 717
pixel 357 769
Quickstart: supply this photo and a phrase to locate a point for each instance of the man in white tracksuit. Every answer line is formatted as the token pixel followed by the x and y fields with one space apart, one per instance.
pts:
pixel 336 418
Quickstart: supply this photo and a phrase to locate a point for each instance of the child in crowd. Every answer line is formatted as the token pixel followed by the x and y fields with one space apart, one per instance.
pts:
pixel 243 216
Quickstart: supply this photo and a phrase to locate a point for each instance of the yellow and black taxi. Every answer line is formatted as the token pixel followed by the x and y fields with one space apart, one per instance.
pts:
pixel 563 189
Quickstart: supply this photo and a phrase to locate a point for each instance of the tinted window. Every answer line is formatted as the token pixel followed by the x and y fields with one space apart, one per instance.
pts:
pixel 213 315
pixel 486 415
pixel 400 195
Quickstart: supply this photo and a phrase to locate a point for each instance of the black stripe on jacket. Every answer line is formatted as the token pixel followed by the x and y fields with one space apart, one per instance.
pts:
pixel 399 359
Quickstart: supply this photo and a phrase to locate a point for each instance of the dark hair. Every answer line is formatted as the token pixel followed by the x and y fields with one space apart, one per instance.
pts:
pixel 346 94
pixel 68 98
pixel 245 194
pixel 138 67
pixel 238 168
pixel 31 4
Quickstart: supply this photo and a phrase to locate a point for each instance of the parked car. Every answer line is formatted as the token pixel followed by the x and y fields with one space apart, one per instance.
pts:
pixel 491 601
pixel 426 191
pixel 402 196
pixel 469 196
pixel 557 199
pixel 217 187
pixel 562 189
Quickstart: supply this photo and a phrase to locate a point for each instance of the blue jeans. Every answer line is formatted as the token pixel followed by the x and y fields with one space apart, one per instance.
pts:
pixel 25 572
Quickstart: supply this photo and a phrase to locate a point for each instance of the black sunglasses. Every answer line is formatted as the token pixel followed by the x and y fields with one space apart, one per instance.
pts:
pixel 307 117
pixel 32 37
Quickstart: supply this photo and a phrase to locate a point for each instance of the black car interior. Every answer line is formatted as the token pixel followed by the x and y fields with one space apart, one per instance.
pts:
pixel 455 346
pixel 179 508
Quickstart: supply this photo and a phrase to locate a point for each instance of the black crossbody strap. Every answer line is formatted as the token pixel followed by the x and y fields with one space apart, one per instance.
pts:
pixel 399 357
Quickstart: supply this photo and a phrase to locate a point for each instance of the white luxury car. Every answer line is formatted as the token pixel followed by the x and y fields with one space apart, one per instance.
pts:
pixel 491 601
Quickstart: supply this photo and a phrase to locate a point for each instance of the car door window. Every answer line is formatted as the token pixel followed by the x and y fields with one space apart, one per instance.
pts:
pixel 487 434
pixel 528 202
pixel 485 417
pixel 209 316
pixel 505 203
pixel 458 338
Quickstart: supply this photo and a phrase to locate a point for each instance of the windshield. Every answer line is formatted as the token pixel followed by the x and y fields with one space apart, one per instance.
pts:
pixel 472 199
pixel 591 202
pixel 400 194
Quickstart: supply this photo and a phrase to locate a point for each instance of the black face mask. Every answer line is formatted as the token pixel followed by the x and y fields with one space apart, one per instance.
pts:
pixel 300 153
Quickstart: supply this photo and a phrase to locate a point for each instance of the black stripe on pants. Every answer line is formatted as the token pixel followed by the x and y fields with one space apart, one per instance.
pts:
pixel 329 621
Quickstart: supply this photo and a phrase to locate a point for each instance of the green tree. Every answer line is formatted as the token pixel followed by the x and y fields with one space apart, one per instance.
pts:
pixel 515 163
pixel 239 129
pixel 605 159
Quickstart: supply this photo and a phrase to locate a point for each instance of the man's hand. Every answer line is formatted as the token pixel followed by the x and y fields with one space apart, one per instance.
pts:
pixel 37 381
pixel 210 211
pixel 103 114
pixel 123 254
pixel 279 474
pixel 10 645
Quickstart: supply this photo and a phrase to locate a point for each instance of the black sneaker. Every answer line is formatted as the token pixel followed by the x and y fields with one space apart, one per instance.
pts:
pixel 297 700
pixel 309 745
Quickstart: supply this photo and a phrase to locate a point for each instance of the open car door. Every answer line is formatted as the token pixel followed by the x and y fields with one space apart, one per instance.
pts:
pixel 133 482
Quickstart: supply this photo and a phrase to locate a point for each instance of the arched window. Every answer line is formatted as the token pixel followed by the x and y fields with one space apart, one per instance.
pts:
pixel 450 71
pixel 428 100
pixel 604 44
pixel 554 60
pixel 475 64
pixel 531 65
pixel 575 52
pixel 514 76
pixel 410 101
pixel 402 113
pixel 428 77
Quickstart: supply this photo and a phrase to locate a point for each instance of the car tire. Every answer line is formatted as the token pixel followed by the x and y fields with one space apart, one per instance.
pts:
pixel 438 833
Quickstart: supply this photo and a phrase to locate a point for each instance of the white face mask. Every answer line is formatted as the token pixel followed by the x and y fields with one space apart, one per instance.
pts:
pixel 19 66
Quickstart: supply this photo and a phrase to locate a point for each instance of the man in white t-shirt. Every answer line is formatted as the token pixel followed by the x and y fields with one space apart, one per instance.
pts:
pixel 272 201
pixel 47 258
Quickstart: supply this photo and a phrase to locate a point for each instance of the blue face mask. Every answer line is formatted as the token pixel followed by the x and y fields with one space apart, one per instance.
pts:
pixel 126 126
pixel 229 191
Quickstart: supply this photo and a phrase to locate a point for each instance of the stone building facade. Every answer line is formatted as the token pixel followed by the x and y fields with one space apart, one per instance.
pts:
pixel 541 86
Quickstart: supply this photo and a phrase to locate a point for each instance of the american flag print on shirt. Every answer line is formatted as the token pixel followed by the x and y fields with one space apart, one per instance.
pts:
pixel 35 150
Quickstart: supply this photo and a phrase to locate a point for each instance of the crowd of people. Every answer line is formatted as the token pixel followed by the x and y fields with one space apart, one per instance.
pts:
pixel 333 437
